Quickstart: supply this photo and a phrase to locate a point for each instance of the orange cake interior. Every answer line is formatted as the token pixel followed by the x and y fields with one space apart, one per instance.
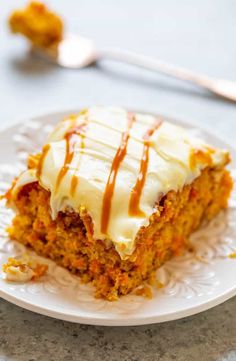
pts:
pixel 117 228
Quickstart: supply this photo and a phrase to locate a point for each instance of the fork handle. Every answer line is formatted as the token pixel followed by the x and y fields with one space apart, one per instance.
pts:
pixel 221 87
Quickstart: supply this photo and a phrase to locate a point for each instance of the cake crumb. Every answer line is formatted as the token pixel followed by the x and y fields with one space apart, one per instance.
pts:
pixel 159 284
pixel 144 291
pixel 202 259
pixel 23 269
pixel 154 282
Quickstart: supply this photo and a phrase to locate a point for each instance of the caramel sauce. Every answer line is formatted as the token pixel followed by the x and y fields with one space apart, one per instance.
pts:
pixel 71 138
pixel 41 160
pixel 73 185
pixel 134 208
pixel 117 160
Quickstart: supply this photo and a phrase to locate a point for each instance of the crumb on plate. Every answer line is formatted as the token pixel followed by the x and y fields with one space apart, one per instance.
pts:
pixel 23 269
pixel 144 291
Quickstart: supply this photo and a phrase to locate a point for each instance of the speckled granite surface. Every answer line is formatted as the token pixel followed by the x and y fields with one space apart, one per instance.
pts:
pixel 200 35
pixel 208 336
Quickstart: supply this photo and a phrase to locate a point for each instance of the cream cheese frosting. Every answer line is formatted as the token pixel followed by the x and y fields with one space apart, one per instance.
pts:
pixel 111 149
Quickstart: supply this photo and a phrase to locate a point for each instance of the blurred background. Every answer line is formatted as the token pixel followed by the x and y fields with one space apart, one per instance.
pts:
pixel 199 35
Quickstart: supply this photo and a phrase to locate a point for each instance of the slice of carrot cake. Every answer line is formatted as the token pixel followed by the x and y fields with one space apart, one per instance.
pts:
pixel 114 194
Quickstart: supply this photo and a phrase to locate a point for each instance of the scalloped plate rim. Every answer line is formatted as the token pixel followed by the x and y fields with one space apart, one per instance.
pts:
pixel 120 320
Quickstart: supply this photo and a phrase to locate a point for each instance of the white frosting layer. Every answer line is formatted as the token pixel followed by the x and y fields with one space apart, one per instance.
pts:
pixel 169 168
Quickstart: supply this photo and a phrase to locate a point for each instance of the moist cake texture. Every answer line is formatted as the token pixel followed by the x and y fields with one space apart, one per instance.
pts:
pixel 114 194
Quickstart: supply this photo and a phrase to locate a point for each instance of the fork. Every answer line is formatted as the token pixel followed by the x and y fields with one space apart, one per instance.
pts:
pixel 77 52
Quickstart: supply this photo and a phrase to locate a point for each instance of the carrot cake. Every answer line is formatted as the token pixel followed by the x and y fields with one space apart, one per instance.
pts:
pixel 115 194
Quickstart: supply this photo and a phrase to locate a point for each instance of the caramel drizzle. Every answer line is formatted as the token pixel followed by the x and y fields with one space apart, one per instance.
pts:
pixel 117 160
pixel 71 138
pixel 41 160
pixel 134 203
pixel 74 180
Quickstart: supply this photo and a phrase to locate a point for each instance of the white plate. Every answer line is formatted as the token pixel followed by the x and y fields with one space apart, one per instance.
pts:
pixel 193 283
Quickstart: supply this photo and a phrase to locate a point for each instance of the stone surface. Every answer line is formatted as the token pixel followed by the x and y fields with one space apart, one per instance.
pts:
pixel 208 336
pixel 199 35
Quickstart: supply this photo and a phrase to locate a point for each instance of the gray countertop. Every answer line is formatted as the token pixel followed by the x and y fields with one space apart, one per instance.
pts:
pixel 199 35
